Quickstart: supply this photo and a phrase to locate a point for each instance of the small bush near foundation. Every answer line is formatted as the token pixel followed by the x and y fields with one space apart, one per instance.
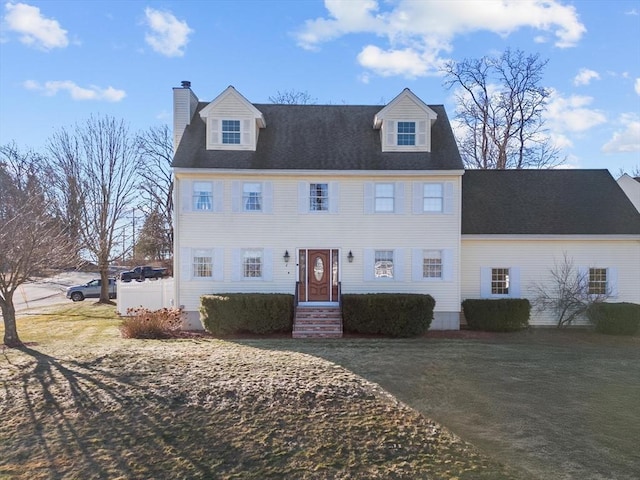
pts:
pixel 501 315
pixel 143 323
pixel 396 315
pixel 259 313
pixel 615 318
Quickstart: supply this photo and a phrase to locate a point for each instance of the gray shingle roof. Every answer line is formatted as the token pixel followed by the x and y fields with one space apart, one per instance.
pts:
pixel 319 137
pixel 538 202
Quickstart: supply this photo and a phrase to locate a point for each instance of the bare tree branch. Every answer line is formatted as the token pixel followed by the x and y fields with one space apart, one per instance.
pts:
pixel 293 97
pixel 499 108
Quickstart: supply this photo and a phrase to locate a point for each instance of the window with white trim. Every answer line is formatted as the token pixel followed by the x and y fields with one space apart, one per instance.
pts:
pixel 202 196
pixel 252 197
pixel 432 264
pixel 406 133
pixel 384 200
pixel 202 264
pixel 319 197
pixel 499 281
pixel 383 264
pixel 598 281
pixel 252 263
pixel 433 197
pixel 231 132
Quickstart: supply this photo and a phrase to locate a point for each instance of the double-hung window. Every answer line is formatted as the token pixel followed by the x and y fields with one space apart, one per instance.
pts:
pixel 406 133
pixel 202 196
pixel 252 264
pixel 500 281
pixel 433 197
pixel 384 197
pixel 383 264
pixel 319 197
pixel 432 264
pixel 252 197
pixel 231 132
pixel 598 281
pixel 202 264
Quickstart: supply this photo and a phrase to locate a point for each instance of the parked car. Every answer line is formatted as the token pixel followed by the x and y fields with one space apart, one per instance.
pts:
pixel 78 293
pixel 141 273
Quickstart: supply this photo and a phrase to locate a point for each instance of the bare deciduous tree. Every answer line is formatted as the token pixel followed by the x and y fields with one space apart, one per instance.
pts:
pixel 156 185
pixel 32 239
pixel 293 97
pixel 567 292
pixel 499 109
pixel 100 159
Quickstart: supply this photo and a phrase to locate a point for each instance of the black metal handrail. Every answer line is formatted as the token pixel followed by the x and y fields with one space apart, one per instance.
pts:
pixel 295 295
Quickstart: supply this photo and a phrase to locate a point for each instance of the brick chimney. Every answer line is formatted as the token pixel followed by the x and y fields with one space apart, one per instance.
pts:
pixel 185 103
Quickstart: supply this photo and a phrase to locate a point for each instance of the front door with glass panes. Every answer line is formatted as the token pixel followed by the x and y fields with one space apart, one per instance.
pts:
pixel 318 275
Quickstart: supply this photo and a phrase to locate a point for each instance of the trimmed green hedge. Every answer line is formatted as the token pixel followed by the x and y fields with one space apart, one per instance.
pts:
pixel 261 313
pixel 615 318
pixel 499 315
pixel 393 314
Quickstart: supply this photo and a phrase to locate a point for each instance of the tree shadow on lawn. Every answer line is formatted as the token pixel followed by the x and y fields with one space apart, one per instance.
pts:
pixel 556 404
pixel 77 420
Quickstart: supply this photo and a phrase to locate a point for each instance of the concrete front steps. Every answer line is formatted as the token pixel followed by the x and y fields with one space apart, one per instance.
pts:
pixel 317 322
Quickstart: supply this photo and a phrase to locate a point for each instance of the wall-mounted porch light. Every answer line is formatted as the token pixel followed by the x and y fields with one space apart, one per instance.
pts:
pixel 286 256
pixel 350 256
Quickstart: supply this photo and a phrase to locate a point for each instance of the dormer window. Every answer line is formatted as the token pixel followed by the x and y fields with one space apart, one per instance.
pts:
pixel 405 124
pixel 231 132
pixel 406 133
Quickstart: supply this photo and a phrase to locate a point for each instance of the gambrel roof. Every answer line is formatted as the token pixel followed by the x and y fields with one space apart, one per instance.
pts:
pixel 545 202
pixel 319 137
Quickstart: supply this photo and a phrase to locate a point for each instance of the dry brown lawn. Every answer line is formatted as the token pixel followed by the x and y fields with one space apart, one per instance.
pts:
pixel 81 402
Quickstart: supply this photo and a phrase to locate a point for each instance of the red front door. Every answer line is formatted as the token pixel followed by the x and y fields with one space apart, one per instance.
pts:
pixel 319 275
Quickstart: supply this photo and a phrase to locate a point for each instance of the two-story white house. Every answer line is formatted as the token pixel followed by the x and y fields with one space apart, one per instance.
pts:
pixel 319 200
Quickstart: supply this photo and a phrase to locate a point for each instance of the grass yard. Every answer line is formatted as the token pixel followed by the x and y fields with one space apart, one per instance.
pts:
pixel 553 404
pixel 81 402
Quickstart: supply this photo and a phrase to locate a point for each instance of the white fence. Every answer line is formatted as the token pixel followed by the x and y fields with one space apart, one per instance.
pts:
pixel 150 294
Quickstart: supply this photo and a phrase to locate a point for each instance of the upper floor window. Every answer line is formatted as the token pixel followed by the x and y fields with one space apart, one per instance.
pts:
pixel 231 132
pixel 432 197
pixel 384 197
pixel 598 281
pixel 252 197
pixel 406 133
pixel 319 197
pixel 202 196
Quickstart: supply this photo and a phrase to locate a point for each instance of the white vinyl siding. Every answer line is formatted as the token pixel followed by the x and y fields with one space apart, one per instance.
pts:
pixel 536 258
pixel 288 229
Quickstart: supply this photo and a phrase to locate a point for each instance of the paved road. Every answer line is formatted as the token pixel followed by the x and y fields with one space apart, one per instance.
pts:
pixel 48 291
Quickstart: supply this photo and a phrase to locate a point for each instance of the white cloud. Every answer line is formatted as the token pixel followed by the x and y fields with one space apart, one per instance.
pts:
pixel 571 114
pixel 168 36
pixel 35 29
pixel 585 76
pixel 423 30
pixel 76 92
pixel 627 139
pixel 636 86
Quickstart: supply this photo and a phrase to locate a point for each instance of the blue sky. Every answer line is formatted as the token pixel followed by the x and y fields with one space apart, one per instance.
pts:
pixel 62 61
